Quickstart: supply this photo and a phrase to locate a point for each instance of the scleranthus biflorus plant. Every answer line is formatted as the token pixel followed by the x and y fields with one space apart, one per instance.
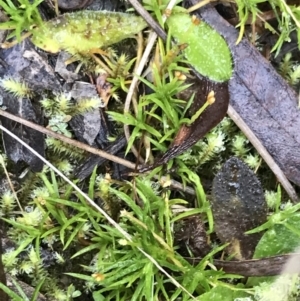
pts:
pixel 166 85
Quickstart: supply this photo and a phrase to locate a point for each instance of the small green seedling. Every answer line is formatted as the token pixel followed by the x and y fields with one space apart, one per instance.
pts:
pixel 85 32
pixel 207 51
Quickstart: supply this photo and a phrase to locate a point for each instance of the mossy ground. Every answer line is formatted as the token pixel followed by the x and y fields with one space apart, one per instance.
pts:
pixel 67 248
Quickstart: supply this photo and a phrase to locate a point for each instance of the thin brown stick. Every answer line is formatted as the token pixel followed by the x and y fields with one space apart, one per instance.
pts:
pixel 148 18
pixel 10 183
pixel 264 153
pixel 131 95
pixel 6 45
pixel 198 5
pixel 65 139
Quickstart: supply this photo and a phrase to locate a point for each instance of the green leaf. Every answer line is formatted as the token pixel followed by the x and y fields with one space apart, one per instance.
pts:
pixel 221 293
pixel 92 183
pixel 29 229
pixel 73 205
pixel 97 296
pixel 207 51
pixel 137 291
pixel 123 118
pixel 20 249
pixel 186 214
pixel 8 25
pixel 280 239
pixel 36 292
pixel 51 231
pixel 48 184
pixel 74 231
pixel 10 293
pixel 134 134
pixel 87 249
pixel 72 31
pixel 82 277
pixel 148 288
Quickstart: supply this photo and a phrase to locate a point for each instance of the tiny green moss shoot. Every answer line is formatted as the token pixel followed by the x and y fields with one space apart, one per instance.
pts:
pixel 17 88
